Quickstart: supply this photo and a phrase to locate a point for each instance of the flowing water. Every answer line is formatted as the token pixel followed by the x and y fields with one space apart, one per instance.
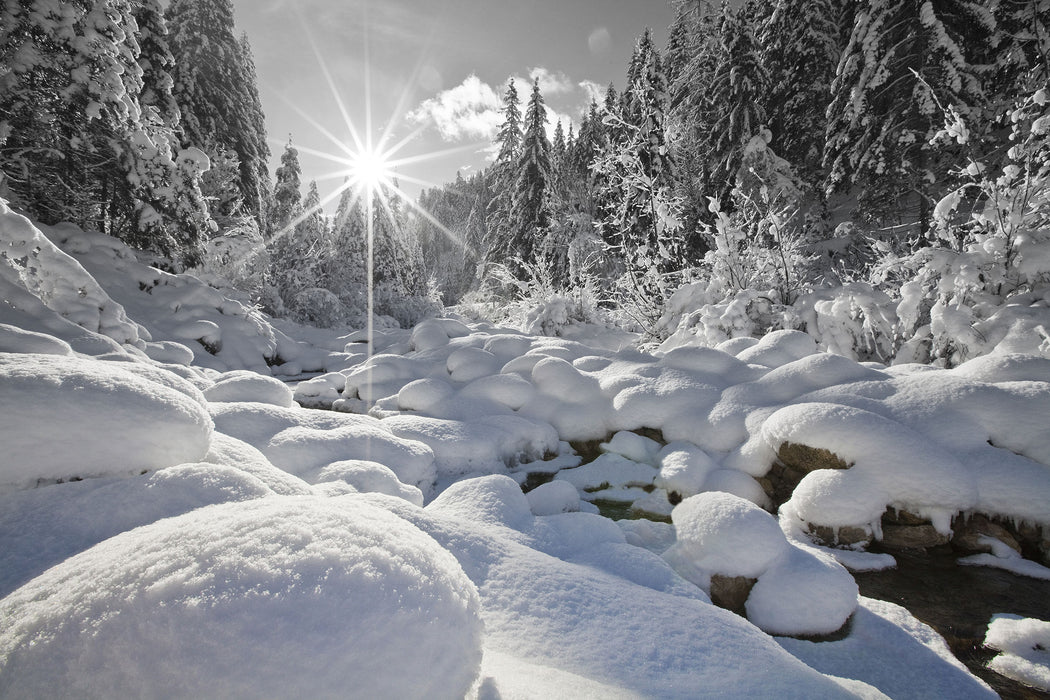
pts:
pixel 958 602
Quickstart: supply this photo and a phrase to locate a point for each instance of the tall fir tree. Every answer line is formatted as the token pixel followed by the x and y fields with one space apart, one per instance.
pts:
pixel 501 216
pixel 286 192
pixel 215 89
pixel 905 62
pixel 529 197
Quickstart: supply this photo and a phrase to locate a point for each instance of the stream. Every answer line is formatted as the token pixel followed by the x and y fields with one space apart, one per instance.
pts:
pixel 958 602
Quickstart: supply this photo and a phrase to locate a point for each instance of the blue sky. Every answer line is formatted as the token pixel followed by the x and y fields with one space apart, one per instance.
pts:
pixel 436 70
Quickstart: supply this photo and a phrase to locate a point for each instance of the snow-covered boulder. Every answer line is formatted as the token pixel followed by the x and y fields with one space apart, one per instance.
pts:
pixel 244 385
pixel 279 597
pixel 66 417
pixel 737 552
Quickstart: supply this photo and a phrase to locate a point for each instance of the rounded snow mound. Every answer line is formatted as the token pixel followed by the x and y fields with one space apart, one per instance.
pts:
pixel 66 417
pixel 724 534
pixel 278 597
pixel 245 385
pixel 795 591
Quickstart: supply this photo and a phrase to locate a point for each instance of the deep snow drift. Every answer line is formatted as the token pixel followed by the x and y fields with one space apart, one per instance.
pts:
pixel 171 524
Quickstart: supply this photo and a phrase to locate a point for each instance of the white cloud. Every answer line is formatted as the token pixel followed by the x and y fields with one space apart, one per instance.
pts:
pixel 551 82
pixel 470 110
pixel 553 118
pixel 593 90
pixel 599 40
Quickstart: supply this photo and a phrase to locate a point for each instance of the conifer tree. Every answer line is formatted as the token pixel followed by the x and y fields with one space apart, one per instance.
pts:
pixel 500 217
pixel 737 91
pixel 215 89
pixel 529 196
pixel 84 137
pixel 904 62
pixel 286 194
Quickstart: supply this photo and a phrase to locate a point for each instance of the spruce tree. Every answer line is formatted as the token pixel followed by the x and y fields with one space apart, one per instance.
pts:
pixel 529 197
pixel 286 193
pixel 215 89
pixel 904 63
pixel 501 215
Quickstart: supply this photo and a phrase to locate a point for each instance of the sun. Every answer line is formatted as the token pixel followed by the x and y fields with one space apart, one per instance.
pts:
pixel 371 169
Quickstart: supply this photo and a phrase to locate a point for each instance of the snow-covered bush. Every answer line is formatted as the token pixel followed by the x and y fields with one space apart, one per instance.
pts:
pixel 987 277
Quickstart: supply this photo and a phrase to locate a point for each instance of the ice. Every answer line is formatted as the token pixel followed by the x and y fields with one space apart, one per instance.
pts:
pixel 66 417
pixel 280 597
pixel 242 385
pixel 1025 647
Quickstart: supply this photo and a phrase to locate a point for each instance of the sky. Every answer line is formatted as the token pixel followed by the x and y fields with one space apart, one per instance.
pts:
pixel 433 71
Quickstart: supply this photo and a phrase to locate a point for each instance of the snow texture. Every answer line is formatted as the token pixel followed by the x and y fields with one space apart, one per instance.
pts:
pixel 280 597
pixel 1025 647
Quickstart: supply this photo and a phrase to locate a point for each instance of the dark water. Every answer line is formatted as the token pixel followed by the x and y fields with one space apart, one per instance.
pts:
pixel 959 601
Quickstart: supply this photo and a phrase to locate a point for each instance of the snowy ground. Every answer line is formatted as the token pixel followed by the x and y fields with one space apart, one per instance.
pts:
pixel 175 522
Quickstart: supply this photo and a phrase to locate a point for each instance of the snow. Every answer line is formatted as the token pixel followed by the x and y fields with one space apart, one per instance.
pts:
pixel 797 591
pixel 332 594
pixel 242 385
pixel 66 418
pixel 891 650
pixel 1025 647
pixel 141 466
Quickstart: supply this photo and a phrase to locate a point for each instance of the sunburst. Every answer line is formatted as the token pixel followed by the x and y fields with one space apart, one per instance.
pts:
pixel 371 169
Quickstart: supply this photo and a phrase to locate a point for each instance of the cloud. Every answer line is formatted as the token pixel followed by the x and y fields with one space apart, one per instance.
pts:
pixel 551 82
pixel 470 110
pixel 593 90
pixel 599 40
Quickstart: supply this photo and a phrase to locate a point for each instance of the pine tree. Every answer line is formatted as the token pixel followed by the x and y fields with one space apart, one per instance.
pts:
pixel 529 196
pixel 215 89
pixel 286 194
pixel 501 216
pixel 737 92
pixel 902 59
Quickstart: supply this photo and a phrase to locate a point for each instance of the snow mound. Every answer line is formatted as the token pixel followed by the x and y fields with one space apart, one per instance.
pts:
pixel 66 417
pixel 723 534
pixel 243 385
pixel 1025 647
pixel 370 477
pixel 796 591
pixel 280 597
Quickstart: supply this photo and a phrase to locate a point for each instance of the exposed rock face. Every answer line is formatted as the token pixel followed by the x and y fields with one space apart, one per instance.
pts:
pixel 843 537
pixel 794 461
pixel 731 592
pixel 967 534
pixel 904 530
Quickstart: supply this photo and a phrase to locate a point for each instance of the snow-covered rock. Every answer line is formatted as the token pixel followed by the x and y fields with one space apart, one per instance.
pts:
pixel 281 597
pixel 67 417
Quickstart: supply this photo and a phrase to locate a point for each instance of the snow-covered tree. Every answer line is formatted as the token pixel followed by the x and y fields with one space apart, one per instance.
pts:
pixel 286 194
pixel 215 89
pixel 529 196
pixel 500 217
pixel 904 63
pixel 83 136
